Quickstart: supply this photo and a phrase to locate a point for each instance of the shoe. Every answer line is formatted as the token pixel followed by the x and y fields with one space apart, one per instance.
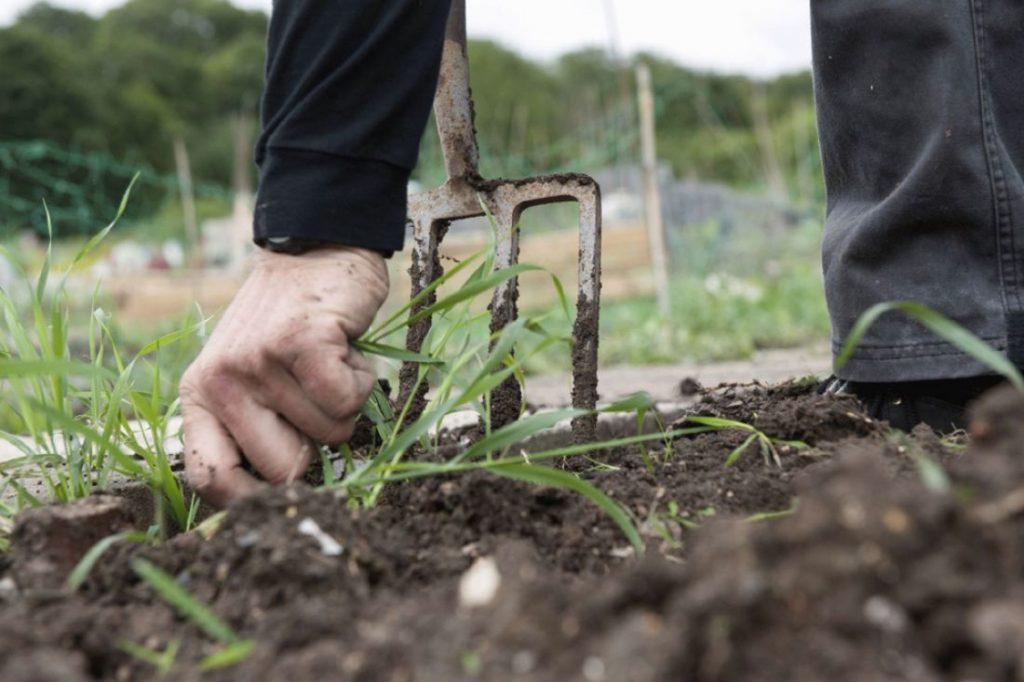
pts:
pixel 941 403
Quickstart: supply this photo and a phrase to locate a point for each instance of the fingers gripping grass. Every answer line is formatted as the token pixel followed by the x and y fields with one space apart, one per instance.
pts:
pixel 73 416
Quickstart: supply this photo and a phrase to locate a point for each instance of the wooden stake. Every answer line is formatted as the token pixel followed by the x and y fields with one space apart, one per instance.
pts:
pixel 188 201
pixel 652 198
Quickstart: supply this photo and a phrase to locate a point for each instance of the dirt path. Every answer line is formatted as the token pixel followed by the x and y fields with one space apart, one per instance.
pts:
pixel 662 381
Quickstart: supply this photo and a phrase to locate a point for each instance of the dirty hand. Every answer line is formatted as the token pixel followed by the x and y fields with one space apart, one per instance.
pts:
pixel 278 373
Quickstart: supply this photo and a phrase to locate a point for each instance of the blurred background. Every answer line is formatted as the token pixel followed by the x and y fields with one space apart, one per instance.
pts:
pixel 94 91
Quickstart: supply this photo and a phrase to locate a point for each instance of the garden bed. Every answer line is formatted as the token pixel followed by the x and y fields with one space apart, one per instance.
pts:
pixel 868 555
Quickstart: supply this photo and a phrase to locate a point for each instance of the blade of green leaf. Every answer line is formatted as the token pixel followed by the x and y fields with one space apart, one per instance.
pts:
pixel 542 475
pixel 85 565
pixel 941 326
pixel 395 353
pixel 232 654
pixel 171 592
pixel 738 452
pixel 516 432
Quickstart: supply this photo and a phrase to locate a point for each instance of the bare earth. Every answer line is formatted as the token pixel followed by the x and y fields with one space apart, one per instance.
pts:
pixel 662 381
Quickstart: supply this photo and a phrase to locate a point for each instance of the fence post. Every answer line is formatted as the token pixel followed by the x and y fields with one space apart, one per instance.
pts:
pixel 188 200
pixel 652 193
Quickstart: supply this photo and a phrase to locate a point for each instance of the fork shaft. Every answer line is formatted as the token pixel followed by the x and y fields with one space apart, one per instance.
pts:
pixel 453 104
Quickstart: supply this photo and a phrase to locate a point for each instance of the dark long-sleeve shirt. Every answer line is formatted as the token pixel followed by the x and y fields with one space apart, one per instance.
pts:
pixel 348 93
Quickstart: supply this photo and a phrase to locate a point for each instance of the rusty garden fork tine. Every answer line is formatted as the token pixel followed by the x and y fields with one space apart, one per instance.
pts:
pixel 508 202
pixel 460 197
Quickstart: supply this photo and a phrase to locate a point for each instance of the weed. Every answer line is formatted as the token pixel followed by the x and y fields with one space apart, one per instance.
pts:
pixel 769 446
pixel 941 326
pixel 79 421
pixel 234 649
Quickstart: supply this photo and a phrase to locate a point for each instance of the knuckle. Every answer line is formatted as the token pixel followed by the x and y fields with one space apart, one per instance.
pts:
pixel 341 433
pixel 254 363
pixel 351 403
pixel 201 477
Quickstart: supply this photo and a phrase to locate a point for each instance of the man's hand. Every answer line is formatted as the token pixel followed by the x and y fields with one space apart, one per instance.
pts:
pixel 278 373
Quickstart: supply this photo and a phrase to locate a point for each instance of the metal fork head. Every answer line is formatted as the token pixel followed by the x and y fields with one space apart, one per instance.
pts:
pixel 467 195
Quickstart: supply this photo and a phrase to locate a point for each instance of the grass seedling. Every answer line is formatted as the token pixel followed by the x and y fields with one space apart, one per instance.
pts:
pixel 941 326
pixel 774 515
pixel 769 446
pixel 234 649
pixel 84 567
pixel 163 661
pixel 80 417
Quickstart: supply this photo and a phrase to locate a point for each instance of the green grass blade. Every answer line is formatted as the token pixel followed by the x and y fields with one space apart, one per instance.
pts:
pixel 941 326
pixel 384 328
pixel 394 353
pixel 44 271
pixel 473 289
pixel 635 402
pixel 163 661
pixel 20 368
pixel 171 338
pixel 232 654
pixel 516 432
pixel 719 423
pixel 95 240
pixel 104 443
pixel 542 475
pixel 738 452
pixel 171 592
pixel 85 565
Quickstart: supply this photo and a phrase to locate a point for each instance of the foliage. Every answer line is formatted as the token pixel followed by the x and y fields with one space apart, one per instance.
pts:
pixel 80 416
pixel 126 83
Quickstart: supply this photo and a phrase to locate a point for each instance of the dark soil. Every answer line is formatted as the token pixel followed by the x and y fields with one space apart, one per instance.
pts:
pixel 871 575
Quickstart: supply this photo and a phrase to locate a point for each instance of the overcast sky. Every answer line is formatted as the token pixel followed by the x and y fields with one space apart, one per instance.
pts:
pixel 760 37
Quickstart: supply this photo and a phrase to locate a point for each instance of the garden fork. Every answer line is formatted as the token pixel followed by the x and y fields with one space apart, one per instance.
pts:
pixel 466 194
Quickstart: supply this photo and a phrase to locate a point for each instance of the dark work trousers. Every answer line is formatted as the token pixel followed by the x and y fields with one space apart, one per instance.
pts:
pixel 921 118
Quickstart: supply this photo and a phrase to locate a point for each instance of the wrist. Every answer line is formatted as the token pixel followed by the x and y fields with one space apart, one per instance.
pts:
pixel 331 261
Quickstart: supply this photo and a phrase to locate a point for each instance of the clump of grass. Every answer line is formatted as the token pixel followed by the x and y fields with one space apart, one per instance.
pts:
pixel 79 419
pixel 768 446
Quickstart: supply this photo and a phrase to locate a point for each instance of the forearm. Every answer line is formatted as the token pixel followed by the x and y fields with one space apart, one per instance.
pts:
pixel 348 94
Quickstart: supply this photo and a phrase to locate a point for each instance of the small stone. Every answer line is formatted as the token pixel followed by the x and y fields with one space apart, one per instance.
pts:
pixel 593 669
pixel 248 539
pixel 626 552
pixel 523 662
pixel 479 585
pixel 328 545
pixel 8 590
pixel 885 614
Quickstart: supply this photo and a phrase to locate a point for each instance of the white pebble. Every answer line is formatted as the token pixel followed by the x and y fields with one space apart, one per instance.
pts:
pixel 328 545
pixel 479 585
pixel 593 669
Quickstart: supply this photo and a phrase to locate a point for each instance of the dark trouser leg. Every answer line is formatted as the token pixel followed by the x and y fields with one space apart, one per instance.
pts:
pixel 921 117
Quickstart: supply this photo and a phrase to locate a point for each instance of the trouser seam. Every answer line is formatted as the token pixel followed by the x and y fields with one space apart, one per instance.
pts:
pixel 910 352
pixel 1002 211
